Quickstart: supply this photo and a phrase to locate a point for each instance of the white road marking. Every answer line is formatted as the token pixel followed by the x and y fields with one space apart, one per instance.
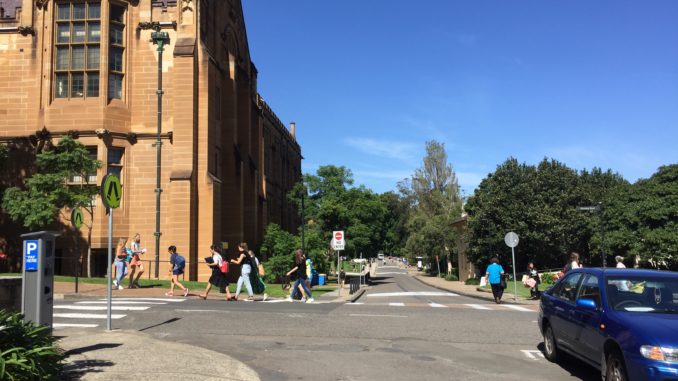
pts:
pixel 88 316
pixel 203 311
pixel 102 308
pixel 517 308
pixel 411 293
pixel 369 315
pixel 64 325
pixel 115 301
pixel 390 273
pixel 150 299
pixel 436 305
pixel 355 304
pixel 478 306
pixel 532 354
pixel 396 304
pixel 276 301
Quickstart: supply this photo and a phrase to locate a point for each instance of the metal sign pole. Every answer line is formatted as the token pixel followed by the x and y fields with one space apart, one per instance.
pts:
pixel 515 286
pixel 338 271
pixel 110 270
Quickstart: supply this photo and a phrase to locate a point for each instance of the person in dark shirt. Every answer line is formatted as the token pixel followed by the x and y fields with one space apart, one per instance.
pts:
pixel 300 269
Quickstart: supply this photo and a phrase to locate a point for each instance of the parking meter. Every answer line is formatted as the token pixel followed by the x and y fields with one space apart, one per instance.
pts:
pixel 37 299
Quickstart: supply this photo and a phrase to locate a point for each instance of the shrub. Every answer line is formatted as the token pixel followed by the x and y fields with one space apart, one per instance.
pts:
pixel 451 277
pixel 27 350
pixel 472 282
pixel 548 279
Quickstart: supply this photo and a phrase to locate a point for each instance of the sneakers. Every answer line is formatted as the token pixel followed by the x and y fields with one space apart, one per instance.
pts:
pixel 185 292
pixel 169 294
pixel 115 283
pixel 121 288
pixel 289 299
pixel 303 299
pixel 310 300
pixel 265 297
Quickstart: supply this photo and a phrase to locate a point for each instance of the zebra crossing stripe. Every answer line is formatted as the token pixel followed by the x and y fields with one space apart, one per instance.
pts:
pixel 396 304
pixel 436 305
pixel 118 302
pixel 517 308
pixel 102 308
pixel 150 299
pixel 69 325
pixel 87 316
pixel 478 306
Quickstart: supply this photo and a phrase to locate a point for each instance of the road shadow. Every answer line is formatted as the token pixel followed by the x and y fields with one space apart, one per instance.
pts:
pixel 89 348
pixel 170 321
pixel 151 285
pixel 76 370
pixel 575 367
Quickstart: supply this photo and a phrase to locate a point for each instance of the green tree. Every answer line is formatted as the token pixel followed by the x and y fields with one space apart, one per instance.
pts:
pixel 643 220
pixel 48 193
pixel 435 203
pixel 278 247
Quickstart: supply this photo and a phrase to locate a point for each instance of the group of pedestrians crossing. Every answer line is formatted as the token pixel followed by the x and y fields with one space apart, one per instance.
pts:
pixel 128 262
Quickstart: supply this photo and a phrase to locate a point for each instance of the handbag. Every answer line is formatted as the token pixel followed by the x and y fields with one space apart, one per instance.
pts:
pixel 502 283
pixel 262 271
pixel 224 267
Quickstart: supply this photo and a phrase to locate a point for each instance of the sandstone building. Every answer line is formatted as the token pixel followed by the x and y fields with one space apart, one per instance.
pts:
pixel 88 69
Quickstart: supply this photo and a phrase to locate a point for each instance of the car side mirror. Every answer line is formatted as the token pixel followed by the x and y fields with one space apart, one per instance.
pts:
pixel 587 304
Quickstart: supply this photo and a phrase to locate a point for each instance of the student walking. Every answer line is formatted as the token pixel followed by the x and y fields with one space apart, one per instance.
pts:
pixel 135 263
pixel 300 268
pixel 217 279
pixel 258 285
pixel 245 262
pixel 177 266
pixel 533 280
pixel 120 264
pixel 493 275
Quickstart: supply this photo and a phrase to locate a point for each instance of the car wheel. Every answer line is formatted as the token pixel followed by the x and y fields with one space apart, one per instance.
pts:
pixel 615 368
pixel 550 350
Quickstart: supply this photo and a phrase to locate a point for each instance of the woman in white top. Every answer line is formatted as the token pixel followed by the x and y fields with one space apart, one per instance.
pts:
pixel 574 261
pixel 620 262
pixel 218 279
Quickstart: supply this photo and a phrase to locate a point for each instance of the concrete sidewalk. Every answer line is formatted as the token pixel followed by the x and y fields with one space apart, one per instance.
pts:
pixel 131 355
pixel 467 290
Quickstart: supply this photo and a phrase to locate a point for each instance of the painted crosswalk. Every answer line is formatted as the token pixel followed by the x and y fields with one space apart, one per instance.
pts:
pixel 93 313
pixel 473 306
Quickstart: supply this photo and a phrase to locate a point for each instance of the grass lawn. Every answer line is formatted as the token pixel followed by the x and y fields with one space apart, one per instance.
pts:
pixel 273 290
pixel 523 292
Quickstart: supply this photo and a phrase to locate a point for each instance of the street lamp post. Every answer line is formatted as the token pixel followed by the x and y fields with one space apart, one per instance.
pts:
pixel 599 210
pixel 161 39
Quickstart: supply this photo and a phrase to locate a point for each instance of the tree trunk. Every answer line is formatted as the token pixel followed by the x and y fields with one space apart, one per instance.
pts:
pixel 89 252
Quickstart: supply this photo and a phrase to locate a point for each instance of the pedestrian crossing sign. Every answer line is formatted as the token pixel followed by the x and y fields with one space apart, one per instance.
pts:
pixel 111 191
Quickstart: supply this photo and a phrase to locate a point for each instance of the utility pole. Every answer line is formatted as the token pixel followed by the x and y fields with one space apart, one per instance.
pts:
pixel 599 210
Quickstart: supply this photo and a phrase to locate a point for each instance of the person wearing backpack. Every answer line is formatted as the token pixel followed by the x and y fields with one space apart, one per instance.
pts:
pixel 177 266
pixel 246 264
pixel 218 277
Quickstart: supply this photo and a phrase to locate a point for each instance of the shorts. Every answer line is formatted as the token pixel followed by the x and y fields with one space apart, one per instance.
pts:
pixel 136 261
pixel 177 271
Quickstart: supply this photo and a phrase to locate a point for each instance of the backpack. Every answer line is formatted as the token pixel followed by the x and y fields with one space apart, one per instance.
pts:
pixel 179 262
pixel 224 267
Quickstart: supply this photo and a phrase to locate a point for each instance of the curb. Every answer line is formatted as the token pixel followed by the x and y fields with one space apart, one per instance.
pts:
pixel 470 295
pixel 357 295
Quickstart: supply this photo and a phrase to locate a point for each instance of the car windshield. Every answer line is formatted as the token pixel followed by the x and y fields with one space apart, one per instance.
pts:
pixel 643 294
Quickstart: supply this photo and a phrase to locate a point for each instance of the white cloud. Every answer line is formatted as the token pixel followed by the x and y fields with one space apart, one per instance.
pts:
pixel 383 148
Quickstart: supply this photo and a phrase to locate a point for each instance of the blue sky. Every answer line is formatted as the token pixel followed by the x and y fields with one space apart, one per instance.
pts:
pixel 589 83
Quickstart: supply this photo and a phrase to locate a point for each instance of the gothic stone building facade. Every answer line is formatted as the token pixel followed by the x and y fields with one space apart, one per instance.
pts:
pixel 88 68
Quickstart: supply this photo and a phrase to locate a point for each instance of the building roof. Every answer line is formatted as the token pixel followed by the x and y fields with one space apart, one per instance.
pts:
pixel 9 8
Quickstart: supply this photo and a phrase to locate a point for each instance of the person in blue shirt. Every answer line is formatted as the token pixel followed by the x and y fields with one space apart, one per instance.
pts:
pixel 493 275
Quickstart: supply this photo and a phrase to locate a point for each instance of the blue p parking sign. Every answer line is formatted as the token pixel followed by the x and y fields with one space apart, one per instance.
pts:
pixel 31 255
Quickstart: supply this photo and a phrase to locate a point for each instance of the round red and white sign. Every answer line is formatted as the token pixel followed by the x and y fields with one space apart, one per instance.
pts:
pixel 338 236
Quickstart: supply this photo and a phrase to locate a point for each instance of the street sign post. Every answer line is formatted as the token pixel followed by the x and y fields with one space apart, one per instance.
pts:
pixel 511 240
pixel 76 220
pixel 338 245
pixel 111 194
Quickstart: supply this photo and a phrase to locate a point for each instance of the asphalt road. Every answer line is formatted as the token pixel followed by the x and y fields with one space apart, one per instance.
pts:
pixel 400 329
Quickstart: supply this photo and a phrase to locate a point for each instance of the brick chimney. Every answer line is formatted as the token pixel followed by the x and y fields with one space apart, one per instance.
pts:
pixel 293 127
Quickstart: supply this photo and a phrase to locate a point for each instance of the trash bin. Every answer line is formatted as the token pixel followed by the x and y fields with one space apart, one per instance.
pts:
pixel 314 278
pixel 321 279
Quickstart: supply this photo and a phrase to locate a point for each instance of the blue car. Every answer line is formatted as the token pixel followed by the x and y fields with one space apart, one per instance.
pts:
pixel 621 321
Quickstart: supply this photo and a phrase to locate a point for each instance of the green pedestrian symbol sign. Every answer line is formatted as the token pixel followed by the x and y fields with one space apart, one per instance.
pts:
pixel 111 191
pixel 77 218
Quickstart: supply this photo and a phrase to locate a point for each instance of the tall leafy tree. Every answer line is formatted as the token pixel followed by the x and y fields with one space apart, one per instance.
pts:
pixel 434 196
pixel 47 193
